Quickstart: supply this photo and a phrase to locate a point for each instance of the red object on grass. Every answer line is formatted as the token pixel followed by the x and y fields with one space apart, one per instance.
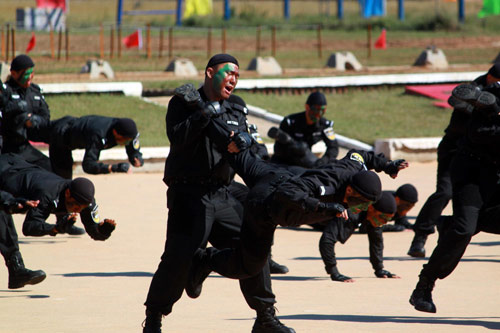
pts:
pixel 440 92
pixel 31 43
pixel 381 42
pixel 51 4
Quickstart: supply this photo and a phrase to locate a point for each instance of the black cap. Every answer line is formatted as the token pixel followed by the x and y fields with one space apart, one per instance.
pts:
pixel 368 184
pixel 126 127
pixel 386 204
pixel 21 62
pixel 407 192
pixel 316 98
pixel 220 59
pixel 495 70
pixel 82 190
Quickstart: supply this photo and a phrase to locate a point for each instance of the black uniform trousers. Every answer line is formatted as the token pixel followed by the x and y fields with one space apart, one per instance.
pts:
pixel 474 183
pixel 197 215
pixel 436 202
pixel 30 154
pixel 340 230
pixel 8 235
pixel 61 158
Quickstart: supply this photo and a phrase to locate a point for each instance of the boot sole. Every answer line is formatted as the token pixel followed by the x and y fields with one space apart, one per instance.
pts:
pixel 470 94
pixel 422 309
pixel 35 280
pixel 416 254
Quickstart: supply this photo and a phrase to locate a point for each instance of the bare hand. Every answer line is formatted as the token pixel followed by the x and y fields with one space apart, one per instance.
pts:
pixel 343 215
pixel 136 163
pixel 232 147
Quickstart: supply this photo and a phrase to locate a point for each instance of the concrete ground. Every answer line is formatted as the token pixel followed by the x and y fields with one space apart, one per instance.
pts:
pixel 101 286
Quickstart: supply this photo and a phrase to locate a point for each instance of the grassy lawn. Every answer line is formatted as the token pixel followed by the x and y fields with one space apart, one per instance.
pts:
pixel 363 115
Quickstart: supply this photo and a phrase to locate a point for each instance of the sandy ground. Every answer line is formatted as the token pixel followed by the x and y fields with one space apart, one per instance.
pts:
pixel 101 286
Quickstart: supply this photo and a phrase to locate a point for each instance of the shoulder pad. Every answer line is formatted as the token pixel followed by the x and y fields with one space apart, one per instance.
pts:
pixel 239 108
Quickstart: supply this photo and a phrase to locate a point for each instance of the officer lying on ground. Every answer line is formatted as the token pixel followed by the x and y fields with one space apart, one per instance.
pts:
pixel 57 196
pixel 341 230
pixel 94 134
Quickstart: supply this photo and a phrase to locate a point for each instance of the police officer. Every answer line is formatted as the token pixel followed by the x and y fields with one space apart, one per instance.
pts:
pixel 406 197
pixel 338 229
pixel 306 129
pixel 19 275
pixel 57 196
pixel 455 131
pixel 25 113
pixel 475 176
pixel 94 134
pixel 200 205
pixel 280 197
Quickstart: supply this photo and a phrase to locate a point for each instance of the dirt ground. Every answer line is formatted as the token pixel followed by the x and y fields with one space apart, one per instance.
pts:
pixel 101 286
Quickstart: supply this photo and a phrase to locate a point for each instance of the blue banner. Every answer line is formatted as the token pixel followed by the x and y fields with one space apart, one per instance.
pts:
pixel 371 8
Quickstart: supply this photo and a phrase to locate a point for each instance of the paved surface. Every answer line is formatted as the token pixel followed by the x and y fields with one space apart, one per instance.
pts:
pixel 101 286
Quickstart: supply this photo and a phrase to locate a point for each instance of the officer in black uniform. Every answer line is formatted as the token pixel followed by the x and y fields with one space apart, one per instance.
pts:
pixel 406 197
pixel 94 134
pixel 475 176
pixel 340 230
pixel 19 275
pixel 431 210
pixel 57 196
pixel 25 114
pixel 201 208
pixel 306 129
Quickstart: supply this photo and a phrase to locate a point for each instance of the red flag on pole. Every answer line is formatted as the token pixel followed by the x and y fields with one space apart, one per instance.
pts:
pixel 51 4
pixel 31 43
pixel 381 42
pixel 133 40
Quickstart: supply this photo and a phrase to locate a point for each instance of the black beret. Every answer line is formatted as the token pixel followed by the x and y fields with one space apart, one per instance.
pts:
pixel 21 62
pixel 220 59
pixel 368 184
pixel 126 127
pixel 316 98
pixel 495 70
pixel 82 190
pixel 407 192
pixel 386 204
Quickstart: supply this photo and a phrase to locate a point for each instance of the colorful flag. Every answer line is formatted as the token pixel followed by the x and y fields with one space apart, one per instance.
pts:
pixel 198 7
pixel 133 40
pixel 490 7
pixel 381 42
pixel 31 43
pixel 51 4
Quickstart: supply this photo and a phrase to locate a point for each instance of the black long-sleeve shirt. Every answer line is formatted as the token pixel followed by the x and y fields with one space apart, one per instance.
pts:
pixel 14 130
pixel 92 133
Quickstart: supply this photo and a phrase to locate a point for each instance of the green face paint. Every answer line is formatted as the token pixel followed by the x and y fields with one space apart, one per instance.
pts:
pixel 26 76
pixel 221 75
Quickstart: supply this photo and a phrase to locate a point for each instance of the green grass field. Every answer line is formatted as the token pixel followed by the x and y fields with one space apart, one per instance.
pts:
pixel 363 115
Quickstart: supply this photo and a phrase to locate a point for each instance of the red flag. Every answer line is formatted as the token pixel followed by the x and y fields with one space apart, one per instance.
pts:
pixel 133 40
pixel 51 4
pixel 381 42
pixel 31 43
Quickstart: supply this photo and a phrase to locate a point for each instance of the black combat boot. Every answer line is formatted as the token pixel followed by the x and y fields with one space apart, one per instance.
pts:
pixel 199 271
pixel 266 322
pixel 417 249
pixel 276 268
pixel 421 298
pixel 19 276
pixel 152 323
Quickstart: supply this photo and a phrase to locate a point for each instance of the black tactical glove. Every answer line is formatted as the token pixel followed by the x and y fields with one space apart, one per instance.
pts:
pixel 279 135
pixel 188 93
pixel 12 206
pixel 120 167
pixel 192 97
pixel 331 208
pixel 382 273
pixel 392 167
pixel 100 231
pixel 243 140
pixel 335 275
pixel 22 106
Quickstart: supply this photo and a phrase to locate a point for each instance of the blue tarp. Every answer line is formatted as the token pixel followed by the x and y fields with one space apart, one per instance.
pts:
pixel 371 8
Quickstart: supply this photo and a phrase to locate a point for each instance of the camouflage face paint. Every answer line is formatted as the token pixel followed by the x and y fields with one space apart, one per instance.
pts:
pixel 221 75
pixel 26 76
